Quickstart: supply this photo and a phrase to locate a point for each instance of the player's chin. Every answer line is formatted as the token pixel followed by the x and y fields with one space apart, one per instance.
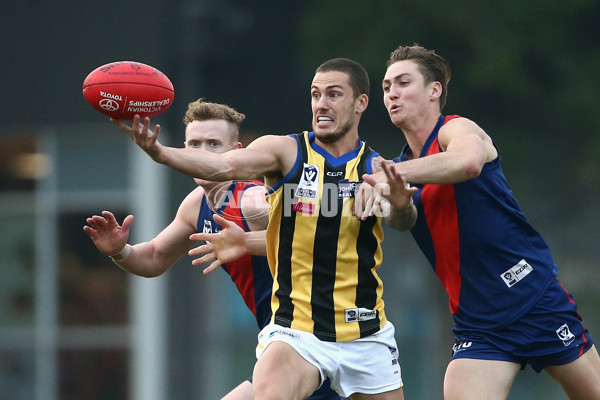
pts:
pixel 327 135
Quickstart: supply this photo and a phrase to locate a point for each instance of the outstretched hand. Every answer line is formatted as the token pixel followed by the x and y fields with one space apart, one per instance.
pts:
pixel 108 236
pixel 387 186
pixel 142 135
pixel 222 247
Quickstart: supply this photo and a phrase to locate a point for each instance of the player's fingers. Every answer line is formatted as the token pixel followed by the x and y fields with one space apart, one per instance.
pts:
pixel 211 267
pixel 201 236
pixel 135 125
pixel 146 132
pixel 367 207
pixel 204 259
pixel 358 198
pixel 108 216
pixel 369 179
pixel 202 249
pixel 127 222
pixel 99 220
pixel 222 221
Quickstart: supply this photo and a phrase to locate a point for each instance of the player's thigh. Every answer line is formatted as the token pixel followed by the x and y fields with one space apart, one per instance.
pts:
pixel 282 372
pixel 473 379
pixel 580 378
pixel 243 391
pixel 397 394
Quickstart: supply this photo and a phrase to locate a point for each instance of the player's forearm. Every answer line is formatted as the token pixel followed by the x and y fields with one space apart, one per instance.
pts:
pixel 142 260
pixel 196 163
pixel 402 219
pixel 256 243
pixel 442 168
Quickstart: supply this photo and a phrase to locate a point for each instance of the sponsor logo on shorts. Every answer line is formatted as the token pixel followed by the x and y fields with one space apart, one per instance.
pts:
pixel 284 333
pixel 512 276
pixel 394 352
pixel 360 314
pixel 460 346
pixel 564 334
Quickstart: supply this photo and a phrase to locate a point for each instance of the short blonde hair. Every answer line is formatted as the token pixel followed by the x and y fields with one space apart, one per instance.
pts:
pixel 201 110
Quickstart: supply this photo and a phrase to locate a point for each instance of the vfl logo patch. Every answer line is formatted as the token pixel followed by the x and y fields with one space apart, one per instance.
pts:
pixel 565 335
pixel 347 189
pixel 359 314
pixel 512 276
pixel 308 187
pixel 207 228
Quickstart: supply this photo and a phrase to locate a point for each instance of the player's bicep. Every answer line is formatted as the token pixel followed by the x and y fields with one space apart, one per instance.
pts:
pixel 463 136
pixel 271 155
pixel 173 241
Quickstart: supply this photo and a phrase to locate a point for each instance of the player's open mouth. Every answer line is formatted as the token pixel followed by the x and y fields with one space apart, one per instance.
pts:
pixel 324 119
pixel 394 107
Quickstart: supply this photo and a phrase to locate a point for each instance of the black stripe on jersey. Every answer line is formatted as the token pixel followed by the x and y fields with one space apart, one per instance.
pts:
pixel 285 312
pixel 366 247
pixel 366 290
pixel 325 255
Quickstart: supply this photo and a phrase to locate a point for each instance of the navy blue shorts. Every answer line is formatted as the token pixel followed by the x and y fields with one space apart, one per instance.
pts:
pixel 550 333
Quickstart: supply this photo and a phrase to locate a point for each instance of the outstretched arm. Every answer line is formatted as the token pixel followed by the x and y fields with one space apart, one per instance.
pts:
pixel 266 156
pixel 466 149
pixel 147 259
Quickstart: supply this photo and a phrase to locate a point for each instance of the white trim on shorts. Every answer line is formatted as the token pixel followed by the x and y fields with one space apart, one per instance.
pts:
pixel 367 365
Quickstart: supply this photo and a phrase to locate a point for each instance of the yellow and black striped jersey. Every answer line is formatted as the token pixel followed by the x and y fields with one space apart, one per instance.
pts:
pixel 323 259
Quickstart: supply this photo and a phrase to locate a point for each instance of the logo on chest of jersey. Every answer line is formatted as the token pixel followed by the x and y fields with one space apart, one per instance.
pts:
pixel 207 228
pixel 512 276
pixel 308 187
pixel 347 189
pixel 360 314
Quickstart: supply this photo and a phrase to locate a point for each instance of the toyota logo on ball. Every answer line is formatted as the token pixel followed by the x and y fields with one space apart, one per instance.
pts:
pixel 109 104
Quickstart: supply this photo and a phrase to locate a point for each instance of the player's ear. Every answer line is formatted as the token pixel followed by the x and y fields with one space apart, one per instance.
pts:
pixel 238 145
pixel 436 90
pixel 362 103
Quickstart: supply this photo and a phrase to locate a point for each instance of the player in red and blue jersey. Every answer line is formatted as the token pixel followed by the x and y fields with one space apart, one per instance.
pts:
pixel 508 306
pixel 250 274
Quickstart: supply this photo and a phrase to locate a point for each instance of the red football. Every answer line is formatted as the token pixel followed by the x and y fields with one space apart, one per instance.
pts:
pixel 124 88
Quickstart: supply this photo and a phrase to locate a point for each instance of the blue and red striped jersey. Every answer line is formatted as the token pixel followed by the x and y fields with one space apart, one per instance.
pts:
pixel 493 264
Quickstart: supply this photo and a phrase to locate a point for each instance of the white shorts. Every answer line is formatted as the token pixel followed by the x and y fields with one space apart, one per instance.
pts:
pixel 367 365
